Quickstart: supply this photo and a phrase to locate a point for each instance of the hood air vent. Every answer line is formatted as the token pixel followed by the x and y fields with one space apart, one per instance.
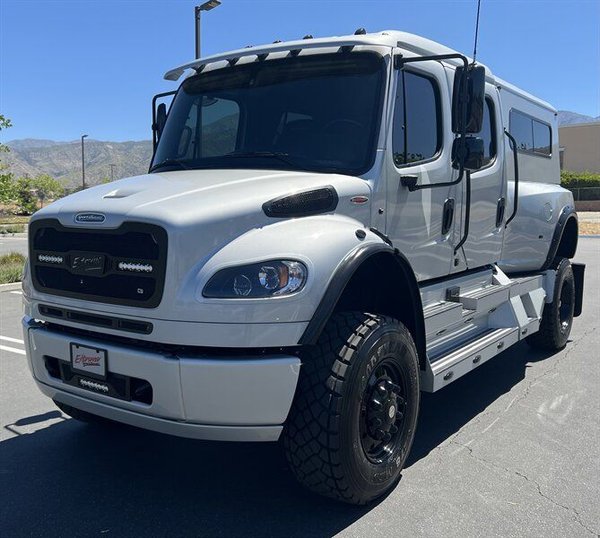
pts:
pixel 303 204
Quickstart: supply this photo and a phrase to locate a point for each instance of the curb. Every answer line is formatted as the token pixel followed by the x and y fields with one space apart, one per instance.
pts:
pixel 10 287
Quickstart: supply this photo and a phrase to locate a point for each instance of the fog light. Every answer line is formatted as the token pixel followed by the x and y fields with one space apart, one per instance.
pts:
pixel 47 258
pixel 135 267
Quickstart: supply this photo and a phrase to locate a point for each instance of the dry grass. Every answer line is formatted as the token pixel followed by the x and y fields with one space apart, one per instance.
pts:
pixel 11 267
pixel 589 228
pixel 14 219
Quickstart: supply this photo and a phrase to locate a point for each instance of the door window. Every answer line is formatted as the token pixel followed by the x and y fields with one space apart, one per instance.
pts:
pixel 488 132
pixel 416 134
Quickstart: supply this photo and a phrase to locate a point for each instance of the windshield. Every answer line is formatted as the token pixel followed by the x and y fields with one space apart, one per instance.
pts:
pixel 317 112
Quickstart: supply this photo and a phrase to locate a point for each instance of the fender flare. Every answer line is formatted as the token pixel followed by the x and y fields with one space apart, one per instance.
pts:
pixel 567 213
pixel 342 276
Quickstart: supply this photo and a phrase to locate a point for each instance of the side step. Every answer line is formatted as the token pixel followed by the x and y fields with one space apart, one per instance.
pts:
pixel 486 299
pixel 446 368
pixel 440 316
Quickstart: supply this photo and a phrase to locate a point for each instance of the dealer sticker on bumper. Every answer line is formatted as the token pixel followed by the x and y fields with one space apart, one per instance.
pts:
pixel 88 360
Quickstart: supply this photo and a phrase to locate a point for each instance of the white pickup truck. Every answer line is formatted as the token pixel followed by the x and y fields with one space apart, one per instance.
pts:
pixel 328 227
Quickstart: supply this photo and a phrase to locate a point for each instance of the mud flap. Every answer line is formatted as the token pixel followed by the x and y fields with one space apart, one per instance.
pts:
pixel 578 274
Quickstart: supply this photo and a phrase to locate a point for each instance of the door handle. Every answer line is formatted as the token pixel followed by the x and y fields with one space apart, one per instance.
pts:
pixel 448 215
pixel 410 182
pixel 500 210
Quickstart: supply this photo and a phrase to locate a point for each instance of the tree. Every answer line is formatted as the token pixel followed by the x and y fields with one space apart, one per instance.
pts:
pixel 47 188
pixel 25 195
pixel 7 185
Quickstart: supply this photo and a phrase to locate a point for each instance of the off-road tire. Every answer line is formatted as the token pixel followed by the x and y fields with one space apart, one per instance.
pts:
pixel 324 436
pixel 557 317
pixel 82 416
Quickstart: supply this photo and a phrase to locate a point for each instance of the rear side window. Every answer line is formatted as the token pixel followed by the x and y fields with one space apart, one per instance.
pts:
pixel 532 136
pixel 542 138
pixel 416 132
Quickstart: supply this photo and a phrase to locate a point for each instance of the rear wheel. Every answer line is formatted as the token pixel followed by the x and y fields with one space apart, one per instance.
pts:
pixel 353 421
pixel 557 318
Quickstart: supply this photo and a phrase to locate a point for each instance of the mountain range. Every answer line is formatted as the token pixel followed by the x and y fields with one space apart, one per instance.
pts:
pixel 62 160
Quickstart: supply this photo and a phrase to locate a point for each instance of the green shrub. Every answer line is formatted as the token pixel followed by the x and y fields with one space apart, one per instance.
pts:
pixel 578 180
pixel 583 185
pixel 11 267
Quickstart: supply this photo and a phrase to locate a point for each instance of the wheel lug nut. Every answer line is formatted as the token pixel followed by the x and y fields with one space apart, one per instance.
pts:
pixel 381 389
pixel 393 429
pixel 377 422
pixel 386 437
pixel 379 434
pixel 376 404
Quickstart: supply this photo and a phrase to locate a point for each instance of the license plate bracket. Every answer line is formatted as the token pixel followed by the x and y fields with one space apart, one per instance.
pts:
pixel 90 361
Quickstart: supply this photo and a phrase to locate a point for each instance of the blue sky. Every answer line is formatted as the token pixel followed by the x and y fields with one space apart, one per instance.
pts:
pixel 87 66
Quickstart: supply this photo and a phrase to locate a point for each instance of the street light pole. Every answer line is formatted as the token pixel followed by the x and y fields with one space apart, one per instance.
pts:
pixel 83 161
pixel 207 6
pixel 112 172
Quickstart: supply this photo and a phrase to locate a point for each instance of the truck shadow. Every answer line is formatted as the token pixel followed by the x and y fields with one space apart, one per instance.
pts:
pixel 75 479
pixel 444 413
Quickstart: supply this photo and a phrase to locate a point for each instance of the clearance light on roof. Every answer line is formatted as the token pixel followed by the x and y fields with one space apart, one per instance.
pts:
pixel 135 267
pixel 47 258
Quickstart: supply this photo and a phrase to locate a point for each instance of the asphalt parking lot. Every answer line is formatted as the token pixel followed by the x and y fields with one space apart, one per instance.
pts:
pixel 510 450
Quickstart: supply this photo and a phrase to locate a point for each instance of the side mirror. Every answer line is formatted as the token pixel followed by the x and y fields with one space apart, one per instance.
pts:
pixel 468 98
pixel 471 156
pixel 161 119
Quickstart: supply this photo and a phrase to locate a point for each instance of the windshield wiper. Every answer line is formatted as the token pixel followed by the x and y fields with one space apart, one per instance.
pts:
pixel 170 162
pixel 279 155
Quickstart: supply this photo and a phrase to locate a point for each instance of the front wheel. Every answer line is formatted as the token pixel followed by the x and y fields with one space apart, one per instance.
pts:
pixel 353 420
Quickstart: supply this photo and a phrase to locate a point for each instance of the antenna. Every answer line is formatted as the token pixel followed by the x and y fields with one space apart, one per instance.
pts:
pixel 476 31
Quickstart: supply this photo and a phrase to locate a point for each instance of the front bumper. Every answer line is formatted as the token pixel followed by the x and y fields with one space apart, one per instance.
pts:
pixel 221 399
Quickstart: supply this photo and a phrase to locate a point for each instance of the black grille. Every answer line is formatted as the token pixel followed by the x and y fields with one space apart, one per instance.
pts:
pixel 124 266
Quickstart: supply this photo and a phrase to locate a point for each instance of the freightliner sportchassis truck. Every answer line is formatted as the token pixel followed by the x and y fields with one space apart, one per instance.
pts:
pixel 328 227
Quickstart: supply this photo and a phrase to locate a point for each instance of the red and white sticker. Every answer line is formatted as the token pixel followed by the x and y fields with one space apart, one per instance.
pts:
pixel 88 360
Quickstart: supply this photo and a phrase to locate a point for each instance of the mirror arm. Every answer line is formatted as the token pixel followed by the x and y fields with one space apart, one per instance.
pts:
pixel 399 62
pixel 154 125
pixel 513 146
pixel 467 214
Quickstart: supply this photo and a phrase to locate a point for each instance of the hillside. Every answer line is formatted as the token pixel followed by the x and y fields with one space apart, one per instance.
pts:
pixel 62 160
pixel 565 117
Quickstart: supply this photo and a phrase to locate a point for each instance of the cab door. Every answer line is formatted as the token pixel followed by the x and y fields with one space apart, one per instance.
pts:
pixel 422 224
pixel 488 191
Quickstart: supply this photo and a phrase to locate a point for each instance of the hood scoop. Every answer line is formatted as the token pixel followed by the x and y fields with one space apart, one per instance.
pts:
pixel 121 193
pixel 303 204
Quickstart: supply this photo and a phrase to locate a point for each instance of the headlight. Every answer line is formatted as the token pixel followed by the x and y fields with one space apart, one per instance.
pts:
pixel 267 279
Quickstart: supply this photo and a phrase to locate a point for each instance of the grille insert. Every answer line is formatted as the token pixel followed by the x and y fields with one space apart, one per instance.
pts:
pixel 89 263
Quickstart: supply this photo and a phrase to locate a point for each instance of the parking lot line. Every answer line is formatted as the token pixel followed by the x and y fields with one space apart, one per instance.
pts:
pixel 9 339
pixel 12 349
pixel 16 292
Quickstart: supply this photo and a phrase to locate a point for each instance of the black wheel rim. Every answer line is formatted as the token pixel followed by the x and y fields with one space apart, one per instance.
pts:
pixel 565 306
pixel 382 412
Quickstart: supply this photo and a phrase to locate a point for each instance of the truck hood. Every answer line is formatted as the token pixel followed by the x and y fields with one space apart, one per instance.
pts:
pixel 183 198
pixel 205 213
